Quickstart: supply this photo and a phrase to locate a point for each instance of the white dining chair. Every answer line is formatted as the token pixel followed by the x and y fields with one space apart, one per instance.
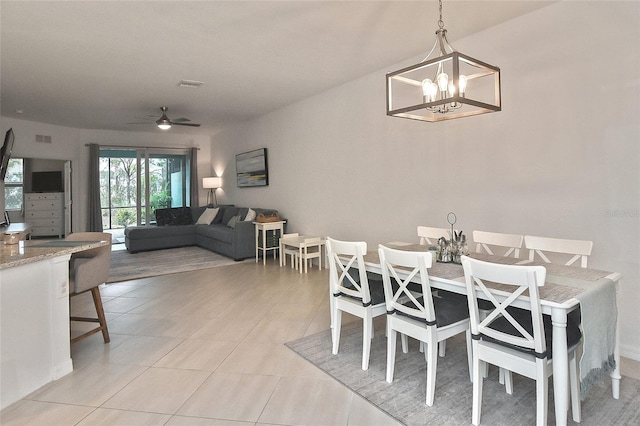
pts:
pixel 289 250
pixel 310 249
pixel 429 235
pixel 423 317
pixel 544 246
pixel 353 292
pixel 516 339
pixel 504 245
pixel 509 244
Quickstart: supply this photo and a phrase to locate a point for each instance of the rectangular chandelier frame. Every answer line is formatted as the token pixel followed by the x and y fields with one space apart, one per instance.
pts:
pixel 405 97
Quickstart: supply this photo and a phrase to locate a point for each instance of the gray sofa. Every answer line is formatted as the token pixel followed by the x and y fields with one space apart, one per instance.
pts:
pixel 176 227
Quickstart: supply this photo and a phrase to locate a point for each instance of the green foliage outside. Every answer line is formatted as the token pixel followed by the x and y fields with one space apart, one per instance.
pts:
pixel 125 217
pixel 160 200
pixel 118 188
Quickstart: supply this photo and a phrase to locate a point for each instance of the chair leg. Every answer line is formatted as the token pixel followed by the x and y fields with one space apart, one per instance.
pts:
pixel 97 300
pixel 542 392
pixel 391 352
pixel 101 320
pixel 508 380
pixel 405 343
pixel 478 370
pixel 469 353
pixel 432 368
pixel 367 326
pixel 442 346
pixel 337 322
pixel 332 311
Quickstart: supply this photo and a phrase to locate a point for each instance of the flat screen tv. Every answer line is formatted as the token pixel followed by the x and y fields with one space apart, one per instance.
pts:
pixel 47 182
pixel 251 168
pixel 5 153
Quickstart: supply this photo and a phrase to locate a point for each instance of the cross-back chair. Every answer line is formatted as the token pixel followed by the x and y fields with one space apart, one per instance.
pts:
pixel 515 339
pixel 414 312
pixel 429 235
pixel 509 244
pixel 543 246
pixel 353 292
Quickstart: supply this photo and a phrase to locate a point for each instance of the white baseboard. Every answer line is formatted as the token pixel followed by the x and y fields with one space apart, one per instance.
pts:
pixel 631 352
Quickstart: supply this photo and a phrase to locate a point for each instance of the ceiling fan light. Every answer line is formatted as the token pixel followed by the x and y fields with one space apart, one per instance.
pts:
pixel 164 123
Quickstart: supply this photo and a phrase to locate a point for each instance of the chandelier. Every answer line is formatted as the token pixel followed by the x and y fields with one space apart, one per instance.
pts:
pixel 452 85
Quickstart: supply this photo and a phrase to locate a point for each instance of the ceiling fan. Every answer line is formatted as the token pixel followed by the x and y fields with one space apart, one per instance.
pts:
pixel 165 124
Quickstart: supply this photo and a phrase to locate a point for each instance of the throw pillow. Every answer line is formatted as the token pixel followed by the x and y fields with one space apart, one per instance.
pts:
pixel 229 212
pixel 207 217
pixel 251 215
pixel 232 222
pixel 173 216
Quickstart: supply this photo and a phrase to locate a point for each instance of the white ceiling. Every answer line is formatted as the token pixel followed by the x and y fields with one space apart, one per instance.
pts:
pixel 103 64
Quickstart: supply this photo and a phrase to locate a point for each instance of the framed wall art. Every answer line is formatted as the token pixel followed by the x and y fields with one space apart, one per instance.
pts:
pixel 251 168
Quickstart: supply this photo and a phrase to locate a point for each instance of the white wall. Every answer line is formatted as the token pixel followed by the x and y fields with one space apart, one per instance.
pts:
pixel 69 144
pixel 560 160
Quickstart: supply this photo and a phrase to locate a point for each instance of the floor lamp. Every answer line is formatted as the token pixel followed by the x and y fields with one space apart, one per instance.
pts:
pixel 212 183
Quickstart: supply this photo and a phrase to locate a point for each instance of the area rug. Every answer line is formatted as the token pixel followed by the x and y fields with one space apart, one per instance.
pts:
pixel 404 398
pixel 127 266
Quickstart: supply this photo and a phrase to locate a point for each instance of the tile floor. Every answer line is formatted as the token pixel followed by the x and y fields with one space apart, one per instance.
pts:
pixel 204 348
pixel 201 348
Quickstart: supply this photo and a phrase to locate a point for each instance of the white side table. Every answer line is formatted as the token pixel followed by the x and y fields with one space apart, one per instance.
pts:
pixel 264 227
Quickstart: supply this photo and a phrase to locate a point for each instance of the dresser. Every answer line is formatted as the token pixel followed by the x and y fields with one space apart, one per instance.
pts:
pixel 45 213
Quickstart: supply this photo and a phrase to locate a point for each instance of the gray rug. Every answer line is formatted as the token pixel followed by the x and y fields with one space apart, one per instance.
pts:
pixel 126 266
pixel 404 399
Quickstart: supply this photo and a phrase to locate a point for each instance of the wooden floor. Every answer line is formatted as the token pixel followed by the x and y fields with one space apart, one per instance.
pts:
pixel 204 348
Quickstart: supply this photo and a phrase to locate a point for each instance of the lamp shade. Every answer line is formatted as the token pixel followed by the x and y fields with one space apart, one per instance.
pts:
pixel 212 182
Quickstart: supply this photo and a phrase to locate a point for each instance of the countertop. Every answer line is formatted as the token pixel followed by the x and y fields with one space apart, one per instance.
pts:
pixel 30 251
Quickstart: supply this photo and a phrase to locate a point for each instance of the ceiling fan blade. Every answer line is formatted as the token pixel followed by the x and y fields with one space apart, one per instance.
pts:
pixel 180 120
pixel 185 124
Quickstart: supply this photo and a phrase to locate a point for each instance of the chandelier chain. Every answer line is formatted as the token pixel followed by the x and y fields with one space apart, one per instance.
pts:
pixel 440 21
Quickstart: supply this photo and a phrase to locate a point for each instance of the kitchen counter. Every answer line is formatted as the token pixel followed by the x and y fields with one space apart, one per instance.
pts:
pixel 34 314
pixel 35 250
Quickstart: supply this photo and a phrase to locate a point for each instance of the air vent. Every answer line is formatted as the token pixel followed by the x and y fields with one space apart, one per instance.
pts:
pixel 43 139
pixel 190 83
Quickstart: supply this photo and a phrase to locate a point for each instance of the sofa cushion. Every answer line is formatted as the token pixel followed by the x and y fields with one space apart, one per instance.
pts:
pixel 242 212
pixel 229 212
pixel 137 232
pixel 174 216
pixel 217 232
pixel 196 212
pixel 232 222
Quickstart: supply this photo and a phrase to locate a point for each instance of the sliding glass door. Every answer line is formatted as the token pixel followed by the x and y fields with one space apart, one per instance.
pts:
pixel 136 182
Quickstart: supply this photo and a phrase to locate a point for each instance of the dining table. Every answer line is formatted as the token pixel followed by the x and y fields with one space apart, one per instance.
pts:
pixel 564 289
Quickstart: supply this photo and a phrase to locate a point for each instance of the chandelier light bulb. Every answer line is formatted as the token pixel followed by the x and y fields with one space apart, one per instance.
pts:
pixel 462 82
pixel 429 90
pixel 452 88
pixel 443 81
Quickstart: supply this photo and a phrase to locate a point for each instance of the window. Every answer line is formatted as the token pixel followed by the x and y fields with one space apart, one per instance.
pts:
pixel 14 184
pixel 132 179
